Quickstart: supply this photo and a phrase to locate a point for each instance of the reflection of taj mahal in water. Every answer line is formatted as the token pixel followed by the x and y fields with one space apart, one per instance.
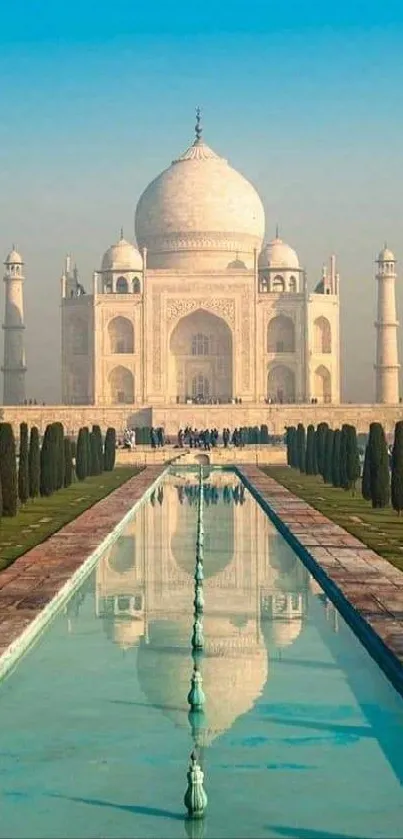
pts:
pixel 255 597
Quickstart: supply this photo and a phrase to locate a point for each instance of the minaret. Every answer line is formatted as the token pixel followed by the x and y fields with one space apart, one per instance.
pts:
pixel 14 368
pixel 387 363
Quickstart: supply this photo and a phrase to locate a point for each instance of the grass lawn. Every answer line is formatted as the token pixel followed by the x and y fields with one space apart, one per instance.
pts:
pixel 40 518
pixel 381 530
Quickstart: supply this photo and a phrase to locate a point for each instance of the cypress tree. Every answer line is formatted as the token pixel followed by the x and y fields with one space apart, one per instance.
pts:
pixel 310 451
pixel 379 466
pixel 88 444
pixel 100 449
pixel 68 462
pixel 95 466
pixel 343 457
pixel 110 450
pixel 336 459
pixel 34 463
pixel 366 476
pixel 353 468
pixel 301 447
pixel 8 469
pixel 320 438
pixel 47 465
pixel 81 456
pixel 328 457
pixel 288 443
pixel 58 432
pixel 264 435
pixel 1 501
pixel 23 470
pixel 397 469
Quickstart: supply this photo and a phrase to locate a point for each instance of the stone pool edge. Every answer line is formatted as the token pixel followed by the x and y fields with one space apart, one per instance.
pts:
pixel 360 593
pixel 60 580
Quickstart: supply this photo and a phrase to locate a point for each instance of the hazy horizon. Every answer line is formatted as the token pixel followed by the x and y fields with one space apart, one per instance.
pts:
pixel 97 99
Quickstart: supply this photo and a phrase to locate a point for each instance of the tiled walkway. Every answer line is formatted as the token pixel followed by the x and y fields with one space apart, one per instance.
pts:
pixel 371 584
pixel 28 585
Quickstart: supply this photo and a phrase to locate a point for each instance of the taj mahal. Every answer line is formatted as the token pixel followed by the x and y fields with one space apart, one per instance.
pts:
pixel 202 310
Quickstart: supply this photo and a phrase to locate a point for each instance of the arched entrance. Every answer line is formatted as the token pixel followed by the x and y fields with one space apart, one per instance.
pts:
pixel 323 384
pixel 200 359
pixel 281 384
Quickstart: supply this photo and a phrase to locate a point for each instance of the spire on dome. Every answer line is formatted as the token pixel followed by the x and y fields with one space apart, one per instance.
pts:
pixel 198 128
pixel 277 230
pixel 121 234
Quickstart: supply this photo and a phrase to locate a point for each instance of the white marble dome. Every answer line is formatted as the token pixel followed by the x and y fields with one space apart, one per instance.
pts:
pixel 122 257
pixel 277 254
pixel 198 212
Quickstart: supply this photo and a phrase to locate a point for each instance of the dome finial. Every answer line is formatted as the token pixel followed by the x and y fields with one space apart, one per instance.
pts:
pixel 121 234
pixel 277 230
pixel 198 128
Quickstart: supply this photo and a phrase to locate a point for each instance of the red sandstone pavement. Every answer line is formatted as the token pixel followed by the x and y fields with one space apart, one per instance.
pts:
pixel 28 585
pixel 371 584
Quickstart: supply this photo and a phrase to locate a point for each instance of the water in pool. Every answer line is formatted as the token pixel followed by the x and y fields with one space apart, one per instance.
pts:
pixel 303 734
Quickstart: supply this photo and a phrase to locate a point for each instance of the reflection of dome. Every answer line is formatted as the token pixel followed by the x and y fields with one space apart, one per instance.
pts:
pixel 199 205
pixel 286 632
pixel 234 670
pixel 122 257
pixel 122 555
pixel 278 255
pixel 128 633
pixel 218 538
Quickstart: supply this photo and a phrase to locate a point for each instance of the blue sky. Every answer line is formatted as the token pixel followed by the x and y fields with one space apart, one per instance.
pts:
pixel 303 98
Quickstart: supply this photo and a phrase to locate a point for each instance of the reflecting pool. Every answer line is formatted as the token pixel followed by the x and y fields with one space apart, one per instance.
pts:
pixel 302 734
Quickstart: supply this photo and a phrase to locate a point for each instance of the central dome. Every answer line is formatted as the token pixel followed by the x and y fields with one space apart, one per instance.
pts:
pixel 199 213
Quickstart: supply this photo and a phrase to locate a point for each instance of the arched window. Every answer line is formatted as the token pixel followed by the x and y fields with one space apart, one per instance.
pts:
pixel 108 286
pixel 292 285
pixel 322 335
pixel 121 336
pixel 121 286
pixel 200 387
pixel 200 344
pixel 278 284
pixel 264 286
pixel 280 335
pixel 136 286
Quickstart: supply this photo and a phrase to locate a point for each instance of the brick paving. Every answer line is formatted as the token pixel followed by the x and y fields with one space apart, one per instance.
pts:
pixel 30 583
pixel 370 584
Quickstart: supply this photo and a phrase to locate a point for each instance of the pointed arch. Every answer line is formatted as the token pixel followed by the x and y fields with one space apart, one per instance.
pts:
pixel 121 386
pixel 280 335
pixel 323 384
pixel 322 335
pixel 281 384
pixel 122 286
pixel 121 336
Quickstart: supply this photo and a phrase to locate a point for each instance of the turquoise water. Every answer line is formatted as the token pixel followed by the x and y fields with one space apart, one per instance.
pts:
pixel 303 735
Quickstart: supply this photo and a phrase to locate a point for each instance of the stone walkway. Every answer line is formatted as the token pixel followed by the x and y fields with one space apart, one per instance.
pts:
pixel 29 584
pixel 371 584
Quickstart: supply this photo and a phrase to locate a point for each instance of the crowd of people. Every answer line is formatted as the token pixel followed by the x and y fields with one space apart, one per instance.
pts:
pixel 209 438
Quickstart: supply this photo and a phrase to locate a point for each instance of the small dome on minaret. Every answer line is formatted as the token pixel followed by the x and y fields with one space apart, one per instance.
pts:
pixel 386 255
pixel 14 258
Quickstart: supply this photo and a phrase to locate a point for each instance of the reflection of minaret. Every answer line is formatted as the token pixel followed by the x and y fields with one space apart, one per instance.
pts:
pixel 14 368
pixel 387 366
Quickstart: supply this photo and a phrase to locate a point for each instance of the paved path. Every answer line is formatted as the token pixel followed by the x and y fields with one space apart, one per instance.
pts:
pixel 371 584
pixel 28 585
